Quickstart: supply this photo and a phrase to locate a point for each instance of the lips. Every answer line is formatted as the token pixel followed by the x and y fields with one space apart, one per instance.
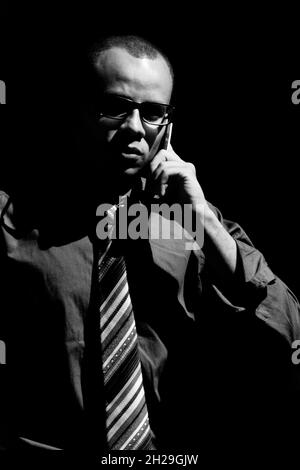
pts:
pixel 130 156
pixel 132 151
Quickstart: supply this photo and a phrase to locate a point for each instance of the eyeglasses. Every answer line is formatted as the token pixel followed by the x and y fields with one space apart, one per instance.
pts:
pixel 118 107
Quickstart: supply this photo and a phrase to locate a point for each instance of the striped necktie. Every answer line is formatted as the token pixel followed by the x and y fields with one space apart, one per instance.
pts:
pixel 127 422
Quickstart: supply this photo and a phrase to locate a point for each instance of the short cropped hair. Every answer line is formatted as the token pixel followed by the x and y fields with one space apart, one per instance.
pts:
pixel 135 45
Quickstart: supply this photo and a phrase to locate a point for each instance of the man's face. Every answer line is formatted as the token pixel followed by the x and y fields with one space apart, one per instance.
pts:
pixel 132 142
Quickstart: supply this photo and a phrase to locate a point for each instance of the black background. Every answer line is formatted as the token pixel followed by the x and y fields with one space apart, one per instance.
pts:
pixel 235 119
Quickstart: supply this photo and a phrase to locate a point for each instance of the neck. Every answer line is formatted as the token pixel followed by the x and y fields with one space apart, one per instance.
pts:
pixel 123 186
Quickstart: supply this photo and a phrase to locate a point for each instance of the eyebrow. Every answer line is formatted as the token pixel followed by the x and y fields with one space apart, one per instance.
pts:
pixel 130 99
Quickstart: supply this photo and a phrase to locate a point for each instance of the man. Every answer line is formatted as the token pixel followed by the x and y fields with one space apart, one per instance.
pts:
pixel 214 324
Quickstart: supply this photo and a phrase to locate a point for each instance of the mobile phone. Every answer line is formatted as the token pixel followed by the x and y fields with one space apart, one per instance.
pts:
pixel 167 137
pixel 165 145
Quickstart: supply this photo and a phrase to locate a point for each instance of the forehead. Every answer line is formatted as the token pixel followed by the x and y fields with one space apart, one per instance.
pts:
pixel 139 78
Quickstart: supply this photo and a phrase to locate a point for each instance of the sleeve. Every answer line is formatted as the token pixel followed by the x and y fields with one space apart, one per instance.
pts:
pixel 4 201
pixel 4 418
pixel 258 288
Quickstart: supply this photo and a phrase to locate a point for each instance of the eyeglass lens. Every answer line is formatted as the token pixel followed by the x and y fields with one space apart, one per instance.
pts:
pixel 118 107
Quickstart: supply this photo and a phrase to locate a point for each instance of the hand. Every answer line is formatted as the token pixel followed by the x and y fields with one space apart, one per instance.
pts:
pixel 176 179
pixel 168 169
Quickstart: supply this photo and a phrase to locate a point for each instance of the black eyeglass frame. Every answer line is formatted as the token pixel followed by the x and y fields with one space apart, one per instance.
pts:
pixel 135 105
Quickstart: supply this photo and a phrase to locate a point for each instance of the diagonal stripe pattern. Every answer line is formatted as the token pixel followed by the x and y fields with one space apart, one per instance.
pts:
pixel 127 421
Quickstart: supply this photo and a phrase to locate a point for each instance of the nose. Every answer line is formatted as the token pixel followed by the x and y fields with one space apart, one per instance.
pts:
pixel 134 124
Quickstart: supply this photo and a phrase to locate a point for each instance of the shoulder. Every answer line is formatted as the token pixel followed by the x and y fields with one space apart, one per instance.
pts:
pixel 4 197
pixel 4 204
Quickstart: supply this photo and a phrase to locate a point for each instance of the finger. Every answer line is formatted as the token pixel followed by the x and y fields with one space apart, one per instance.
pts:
pixel 167 137
pixel 160 177
pixel 174 168
pixel 157 160
pixel 171 155
pixel 155 146
pixel 164 156
pixel 169 169
pixel 164 177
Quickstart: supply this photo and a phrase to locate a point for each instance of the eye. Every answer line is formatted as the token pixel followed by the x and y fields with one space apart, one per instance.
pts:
pixel 153 111
pixel 114 106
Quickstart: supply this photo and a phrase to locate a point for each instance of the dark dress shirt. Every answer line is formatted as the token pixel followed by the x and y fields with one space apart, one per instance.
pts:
pixel 215 356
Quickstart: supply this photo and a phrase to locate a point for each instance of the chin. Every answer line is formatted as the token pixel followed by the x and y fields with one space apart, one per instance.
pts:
pixel 132 171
